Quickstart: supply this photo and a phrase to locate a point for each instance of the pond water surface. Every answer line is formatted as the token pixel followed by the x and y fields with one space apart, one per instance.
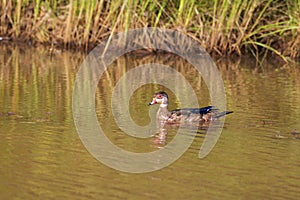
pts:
pixel 42 157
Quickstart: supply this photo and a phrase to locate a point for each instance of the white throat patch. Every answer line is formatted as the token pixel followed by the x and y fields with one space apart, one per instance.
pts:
pixel 163 105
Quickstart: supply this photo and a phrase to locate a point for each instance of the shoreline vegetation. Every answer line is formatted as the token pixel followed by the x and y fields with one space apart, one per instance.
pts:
pixel 222 27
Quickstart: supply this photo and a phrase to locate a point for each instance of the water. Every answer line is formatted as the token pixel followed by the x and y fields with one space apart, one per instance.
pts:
pixel 42 156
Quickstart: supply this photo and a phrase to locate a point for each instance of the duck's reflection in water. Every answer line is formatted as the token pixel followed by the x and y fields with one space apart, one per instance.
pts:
pixel 160 136
pixel 159 139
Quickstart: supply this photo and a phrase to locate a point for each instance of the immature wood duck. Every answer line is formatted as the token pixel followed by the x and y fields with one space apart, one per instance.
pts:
pixel 185 115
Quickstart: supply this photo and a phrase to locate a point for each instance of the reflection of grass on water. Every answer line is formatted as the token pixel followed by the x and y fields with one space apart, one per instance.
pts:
pixel 221 26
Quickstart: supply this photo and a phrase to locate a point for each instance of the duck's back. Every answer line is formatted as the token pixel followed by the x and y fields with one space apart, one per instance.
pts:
pixel 191 115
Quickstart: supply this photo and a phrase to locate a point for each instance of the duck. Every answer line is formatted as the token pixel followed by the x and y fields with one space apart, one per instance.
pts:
pixel 184 115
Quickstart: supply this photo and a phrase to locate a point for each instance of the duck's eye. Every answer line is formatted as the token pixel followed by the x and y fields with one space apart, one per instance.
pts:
pixel 159 96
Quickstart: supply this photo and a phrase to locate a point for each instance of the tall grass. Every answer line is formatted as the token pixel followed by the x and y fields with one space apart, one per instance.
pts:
pixel 224 27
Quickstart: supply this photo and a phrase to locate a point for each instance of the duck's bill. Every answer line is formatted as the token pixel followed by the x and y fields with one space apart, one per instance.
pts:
pixel 152 102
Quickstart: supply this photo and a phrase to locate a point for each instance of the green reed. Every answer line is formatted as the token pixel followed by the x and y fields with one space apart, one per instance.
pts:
pixel 223 27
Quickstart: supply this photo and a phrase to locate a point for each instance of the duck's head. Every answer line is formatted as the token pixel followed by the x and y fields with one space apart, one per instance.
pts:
pixel 159 98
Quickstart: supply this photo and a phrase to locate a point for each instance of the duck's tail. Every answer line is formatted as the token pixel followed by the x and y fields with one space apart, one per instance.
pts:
pixel 221 114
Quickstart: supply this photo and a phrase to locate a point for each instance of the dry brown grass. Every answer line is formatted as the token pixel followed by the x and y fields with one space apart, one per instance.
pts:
pixel 261 27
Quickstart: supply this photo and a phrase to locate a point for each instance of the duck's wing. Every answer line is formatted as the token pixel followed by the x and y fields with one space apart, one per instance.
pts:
pixel 191 115
pixel 189 111
pixel 204 114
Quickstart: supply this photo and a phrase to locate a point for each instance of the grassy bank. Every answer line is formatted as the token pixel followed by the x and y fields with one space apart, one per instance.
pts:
pixel 223 27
